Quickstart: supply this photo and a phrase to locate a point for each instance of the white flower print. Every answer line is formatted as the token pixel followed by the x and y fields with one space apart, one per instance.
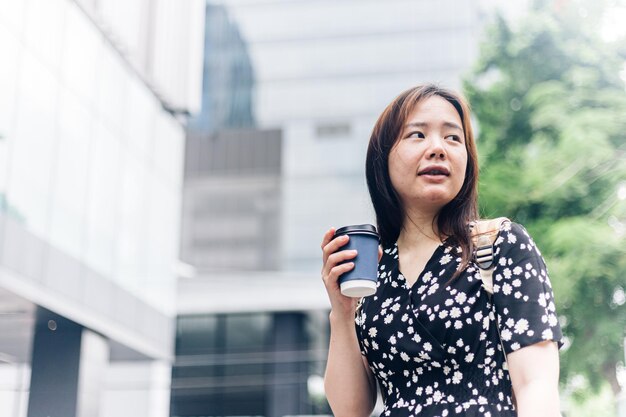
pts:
pixel 460 298
pixel 542 300
pixel 433 288
pixel 373 332
pixel 521 326
pixel 552 320
pixel 506 334
pixel 457 377
pixel 445 259
pixel 437 396
pixel 511 238
pixel 506 289
pixel 455 312
pixel 547 334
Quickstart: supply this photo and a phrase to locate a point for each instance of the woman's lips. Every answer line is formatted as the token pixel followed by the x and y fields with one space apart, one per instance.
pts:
pixel 434 170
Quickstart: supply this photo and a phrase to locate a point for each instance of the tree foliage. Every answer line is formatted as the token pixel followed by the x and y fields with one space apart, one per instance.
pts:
pixel 551 111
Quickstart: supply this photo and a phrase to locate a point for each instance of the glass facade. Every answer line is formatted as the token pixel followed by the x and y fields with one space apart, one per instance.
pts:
pixel 245 364
pixel 228 77
pixel 91 168
pixel 90 162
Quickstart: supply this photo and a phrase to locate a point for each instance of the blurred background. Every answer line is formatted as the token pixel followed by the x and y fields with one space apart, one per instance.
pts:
pixel 168 169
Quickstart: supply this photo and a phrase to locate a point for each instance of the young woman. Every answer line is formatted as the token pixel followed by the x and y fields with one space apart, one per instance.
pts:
pixel 431 336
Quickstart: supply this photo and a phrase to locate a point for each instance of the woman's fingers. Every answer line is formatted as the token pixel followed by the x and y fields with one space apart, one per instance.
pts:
pixel 336 258
pixel 380 253
pixel 335 272
pixel 330 245
pixel 328 236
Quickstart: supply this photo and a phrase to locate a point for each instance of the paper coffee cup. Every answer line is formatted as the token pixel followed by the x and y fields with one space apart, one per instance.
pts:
pixel 360 281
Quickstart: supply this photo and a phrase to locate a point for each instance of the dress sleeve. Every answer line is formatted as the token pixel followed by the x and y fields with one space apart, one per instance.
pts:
pixel 522 292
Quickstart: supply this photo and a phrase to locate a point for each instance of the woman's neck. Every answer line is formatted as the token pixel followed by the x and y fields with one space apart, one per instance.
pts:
pixel 418 228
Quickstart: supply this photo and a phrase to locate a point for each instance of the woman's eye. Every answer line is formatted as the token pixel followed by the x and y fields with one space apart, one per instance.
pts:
pixel 454 138
pixel 419 135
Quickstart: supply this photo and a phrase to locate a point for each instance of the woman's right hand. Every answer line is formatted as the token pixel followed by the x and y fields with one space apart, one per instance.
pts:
pixel 342 306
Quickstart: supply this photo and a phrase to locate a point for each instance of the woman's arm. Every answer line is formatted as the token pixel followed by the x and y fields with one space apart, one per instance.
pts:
pixel 528 322
pixel 534 374
pixel 349 383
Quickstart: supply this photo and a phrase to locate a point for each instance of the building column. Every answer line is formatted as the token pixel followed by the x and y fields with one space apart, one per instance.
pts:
pixel 287 392
pixel 67 366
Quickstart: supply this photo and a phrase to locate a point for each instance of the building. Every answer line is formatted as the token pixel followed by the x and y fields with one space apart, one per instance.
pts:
pixel 252 332
pixel 228 77
pixel 92 111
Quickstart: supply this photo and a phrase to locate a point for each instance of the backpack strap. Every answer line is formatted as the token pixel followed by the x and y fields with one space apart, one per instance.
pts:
pixel 484 233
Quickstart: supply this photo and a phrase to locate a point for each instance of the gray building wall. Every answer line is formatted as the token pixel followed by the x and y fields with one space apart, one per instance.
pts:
pixel 231 201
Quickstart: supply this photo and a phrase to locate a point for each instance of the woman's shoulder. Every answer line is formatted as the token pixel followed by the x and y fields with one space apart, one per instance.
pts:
pixel 513 236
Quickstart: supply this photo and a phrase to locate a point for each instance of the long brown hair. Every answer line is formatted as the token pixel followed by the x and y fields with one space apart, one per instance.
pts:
pixel 454 218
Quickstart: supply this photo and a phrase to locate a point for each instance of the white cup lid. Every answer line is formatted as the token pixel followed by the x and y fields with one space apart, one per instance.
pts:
pixel 358 288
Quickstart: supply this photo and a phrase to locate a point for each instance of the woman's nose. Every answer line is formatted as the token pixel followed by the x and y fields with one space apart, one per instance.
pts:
pixel 437 149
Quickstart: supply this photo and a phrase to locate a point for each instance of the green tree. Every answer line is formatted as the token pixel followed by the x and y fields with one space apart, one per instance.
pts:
pixel 551 112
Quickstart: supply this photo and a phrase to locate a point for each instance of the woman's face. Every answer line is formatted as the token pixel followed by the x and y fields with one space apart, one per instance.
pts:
pixel 427 163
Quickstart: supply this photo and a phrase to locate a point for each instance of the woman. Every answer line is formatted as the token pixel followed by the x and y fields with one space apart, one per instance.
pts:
pixel 431 336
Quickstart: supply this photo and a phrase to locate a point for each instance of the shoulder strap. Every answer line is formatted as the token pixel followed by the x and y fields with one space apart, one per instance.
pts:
pixel 484 233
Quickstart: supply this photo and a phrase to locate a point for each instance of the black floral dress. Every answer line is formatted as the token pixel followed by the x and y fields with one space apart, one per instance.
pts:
pixel 434 348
